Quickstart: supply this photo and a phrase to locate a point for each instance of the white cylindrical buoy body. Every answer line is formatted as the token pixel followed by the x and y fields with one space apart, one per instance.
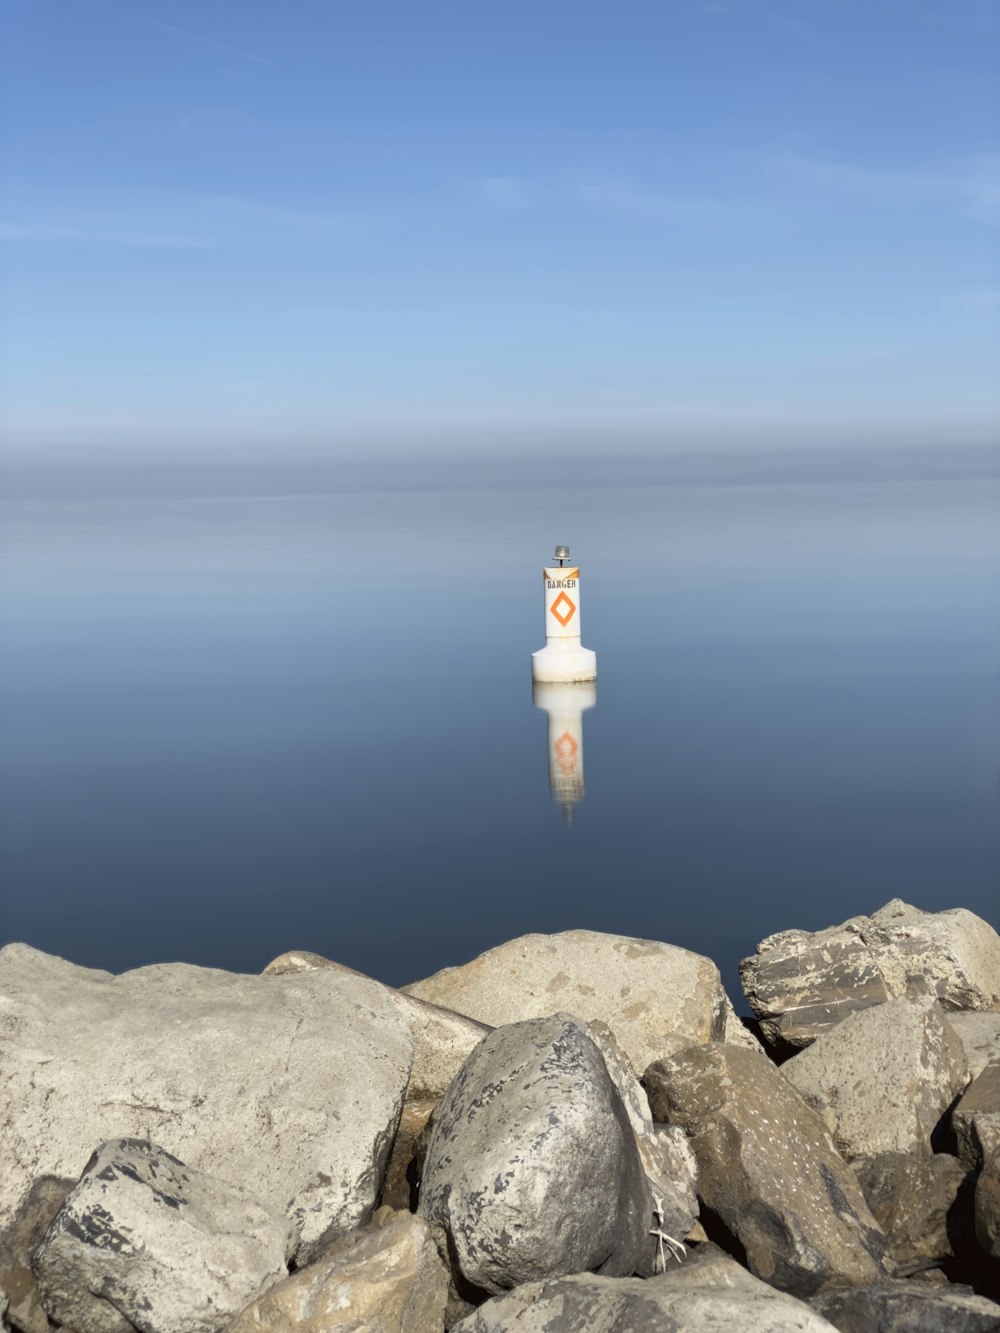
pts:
pixel 563 658
pixel 565 705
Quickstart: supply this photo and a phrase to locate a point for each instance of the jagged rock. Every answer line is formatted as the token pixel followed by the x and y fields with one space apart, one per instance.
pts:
pixel 987 1204
pixel 976 1119
pixel 532 1168
pixel 801 984
pixel 883 1078
pixel 441 1038
pixel 654 997
pixel 4 1306
pixel 386 1278
pixel 406 1161
pixel 710 1293
pixel 979 1034
pixel 769 1169
pixel 666 1155
pixel 899 1306
pixel 735 1032
pixel 290 1086
pixel 913 1199
pixel 17 1244
pixel 145 1243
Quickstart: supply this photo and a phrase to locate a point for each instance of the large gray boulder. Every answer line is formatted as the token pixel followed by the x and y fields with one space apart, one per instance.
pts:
pixel 441 1038
pixel 145 1243
pixel 899 1306
pixel 769 1169
pixel 710 1293
pixel 386 1278
pixel 800 984
pixel 883 1078
pixel 532 1167
pixel 654 997
pixel 914 1199
pixel 976 1119
pixel 290 1086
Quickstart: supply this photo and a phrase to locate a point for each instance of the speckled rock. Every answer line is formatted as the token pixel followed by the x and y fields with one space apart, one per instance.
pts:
pixel 883 1078
pixel 800 984
pixel 976 1119
pixel 33 1218
pixel 441 1038
pixel 913 1198
pixel 654 997
pixel 710 1293
pixel 386 1278
pixel 145 1243
pixel 899 1306
pixel 769 1169
pixel 290 1086
pixel 532 1167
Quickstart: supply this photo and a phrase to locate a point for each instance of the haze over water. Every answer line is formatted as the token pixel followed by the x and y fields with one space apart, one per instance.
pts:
pixel 239 725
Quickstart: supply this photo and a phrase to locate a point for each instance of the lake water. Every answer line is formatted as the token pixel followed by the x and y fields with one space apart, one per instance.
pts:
pixel 233 727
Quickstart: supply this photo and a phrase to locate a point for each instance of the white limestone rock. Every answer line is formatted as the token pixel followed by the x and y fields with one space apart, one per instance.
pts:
pixel 289 1086
pixel 145 1243
pixel 979 1034
pixel 884 1077
pixel 532 1167
pixel 976 1119
pixel 654 997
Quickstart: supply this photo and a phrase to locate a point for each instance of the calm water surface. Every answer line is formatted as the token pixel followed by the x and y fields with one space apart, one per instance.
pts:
pixel 235 727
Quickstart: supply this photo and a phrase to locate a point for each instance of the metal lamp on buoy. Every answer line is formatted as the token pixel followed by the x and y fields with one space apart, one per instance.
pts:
pixel 563 659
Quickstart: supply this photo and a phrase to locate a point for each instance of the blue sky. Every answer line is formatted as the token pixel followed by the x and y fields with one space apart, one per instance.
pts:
pixel 231 220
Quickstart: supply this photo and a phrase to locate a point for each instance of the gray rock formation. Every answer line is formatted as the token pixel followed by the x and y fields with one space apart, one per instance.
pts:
pixel 769 1169
pixel 801 984
pixel 987 1205
pixel 532 1168
pixel 386 1278
pixel 441 1038
pixel 290 1086
pixel 17 1244
pixel 654 997
pixel 979 1033
pixel 913 1199
pixel 976 1119
pixel 667 1159
pixel 144 1243
pixel 899 1306
pixel 883 1078
pixel 710 1293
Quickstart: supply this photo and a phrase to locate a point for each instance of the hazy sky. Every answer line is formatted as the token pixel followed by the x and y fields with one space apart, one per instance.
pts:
pixel 331 219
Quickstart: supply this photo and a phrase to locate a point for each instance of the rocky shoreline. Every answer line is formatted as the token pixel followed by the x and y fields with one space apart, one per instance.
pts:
pixel 572 1132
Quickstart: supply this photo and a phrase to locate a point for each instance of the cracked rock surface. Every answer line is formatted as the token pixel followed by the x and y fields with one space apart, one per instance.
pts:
pixel 532 1168
pixel 143 1242
pixel 800 984
pixel 290 1086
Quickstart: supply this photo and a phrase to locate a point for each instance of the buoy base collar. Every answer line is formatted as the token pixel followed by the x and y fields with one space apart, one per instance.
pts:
pixel 551 664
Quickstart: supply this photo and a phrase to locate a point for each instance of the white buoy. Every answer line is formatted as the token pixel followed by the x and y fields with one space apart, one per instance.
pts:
pixel 562 659
pixel 565 705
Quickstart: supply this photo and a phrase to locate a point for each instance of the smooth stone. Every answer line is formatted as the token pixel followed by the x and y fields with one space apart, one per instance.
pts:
pixel 143 1242
pixel 441 1038
pixel 913 1199
pixel 291 1086
pixel 800 984
pixel 976 1119
pixel 17 1244
pixel 654 997
pixel 386 1278
pixel 710 1293
pixel 883 1078
pixel 979 1034
pixel 901 1306
pixel 532 1168
pixel 769 1169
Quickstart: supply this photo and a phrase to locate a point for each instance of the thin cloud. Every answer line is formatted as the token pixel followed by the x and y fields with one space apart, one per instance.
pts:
pixel 183 32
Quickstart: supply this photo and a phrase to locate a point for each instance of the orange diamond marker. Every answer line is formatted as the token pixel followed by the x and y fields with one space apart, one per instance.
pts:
pixel 566 748
pixel 566 615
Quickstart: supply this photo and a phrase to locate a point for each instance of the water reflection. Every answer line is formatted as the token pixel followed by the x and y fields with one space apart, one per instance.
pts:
pixel 565 705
